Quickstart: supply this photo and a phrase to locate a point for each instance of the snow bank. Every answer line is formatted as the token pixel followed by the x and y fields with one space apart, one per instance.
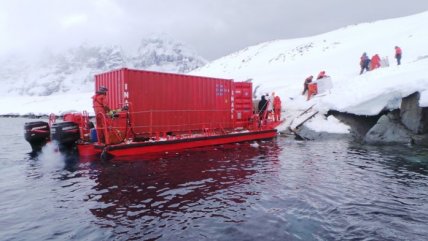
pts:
pixel 329 124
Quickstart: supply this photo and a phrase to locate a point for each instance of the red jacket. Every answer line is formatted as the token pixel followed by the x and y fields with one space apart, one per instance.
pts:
pixel 375 62
pixel 321 75
pixel 397 51
pixel 276 103
pixel 100 103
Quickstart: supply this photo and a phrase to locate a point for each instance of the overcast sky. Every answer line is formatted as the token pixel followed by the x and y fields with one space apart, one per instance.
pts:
pixel 213 28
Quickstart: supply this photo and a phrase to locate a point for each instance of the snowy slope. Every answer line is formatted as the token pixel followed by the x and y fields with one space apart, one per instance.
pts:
pixel 282 65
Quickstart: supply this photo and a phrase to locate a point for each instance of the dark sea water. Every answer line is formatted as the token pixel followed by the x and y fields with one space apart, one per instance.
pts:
pixel 272 190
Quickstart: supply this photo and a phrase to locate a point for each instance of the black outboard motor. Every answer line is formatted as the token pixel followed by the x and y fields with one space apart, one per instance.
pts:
pixel 66 134
pixel 37 134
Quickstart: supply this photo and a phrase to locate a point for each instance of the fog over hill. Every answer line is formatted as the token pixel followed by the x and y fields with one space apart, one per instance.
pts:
pixel 73 70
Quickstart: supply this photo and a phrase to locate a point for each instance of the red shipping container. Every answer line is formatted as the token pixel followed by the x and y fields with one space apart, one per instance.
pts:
pixel 164 102
pixel 242 103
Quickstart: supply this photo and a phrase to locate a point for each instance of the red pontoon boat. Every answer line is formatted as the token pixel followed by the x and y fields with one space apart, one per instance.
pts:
pixel 158 112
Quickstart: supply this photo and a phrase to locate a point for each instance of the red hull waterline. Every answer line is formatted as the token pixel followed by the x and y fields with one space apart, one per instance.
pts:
pixel 142 148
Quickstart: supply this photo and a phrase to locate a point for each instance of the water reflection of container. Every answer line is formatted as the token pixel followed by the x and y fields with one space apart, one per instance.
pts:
pixel 159 190
pixel 94 137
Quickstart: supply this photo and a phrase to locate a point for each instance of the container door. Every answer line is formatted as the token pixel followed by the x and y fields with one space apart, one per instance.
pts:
pixel 242 103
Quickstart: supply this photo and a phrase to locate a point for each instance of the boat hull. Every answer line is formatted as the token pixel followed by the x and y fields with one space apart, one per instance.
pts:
pixel 136 149
pixel 88 150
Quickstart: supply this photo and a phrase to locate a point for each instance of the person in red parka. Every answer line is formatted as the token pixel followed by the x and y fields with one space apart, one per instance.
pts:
pixel 375 62
pixel 99 101
pixel 398 54
pixel 276 107
pixel 322 75
pixel 100 104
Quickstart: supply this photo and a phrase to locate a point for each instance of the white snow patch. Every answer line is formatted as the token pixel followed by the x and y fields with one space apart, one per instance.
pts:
pixel 330 124
pixel 423 101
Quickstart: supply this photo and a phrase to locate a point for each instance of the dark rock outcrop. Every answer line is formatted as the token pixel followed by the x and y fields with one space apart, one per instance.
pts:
pixel 407 125
pixel 420 140
pixel 388 130
pixel 360 125
pixel 414 117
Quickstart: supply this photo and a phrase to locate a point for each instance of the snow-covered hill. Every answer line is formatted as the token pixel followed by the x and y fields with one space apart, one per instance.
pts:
pixel 72 71
pixel 282 65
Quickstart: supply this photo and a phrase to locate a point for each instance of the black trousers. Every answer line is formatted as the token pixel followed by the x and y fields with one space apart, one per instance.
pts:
pixel 364 67
pixel 398 57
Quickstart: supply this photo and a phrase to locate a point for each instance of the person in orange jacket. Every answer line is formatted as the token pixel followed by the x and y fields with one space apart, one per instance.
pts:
pixel 100 104
pixel 276 107
pixel 99 101
pixel 375 62
pixel 398 54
